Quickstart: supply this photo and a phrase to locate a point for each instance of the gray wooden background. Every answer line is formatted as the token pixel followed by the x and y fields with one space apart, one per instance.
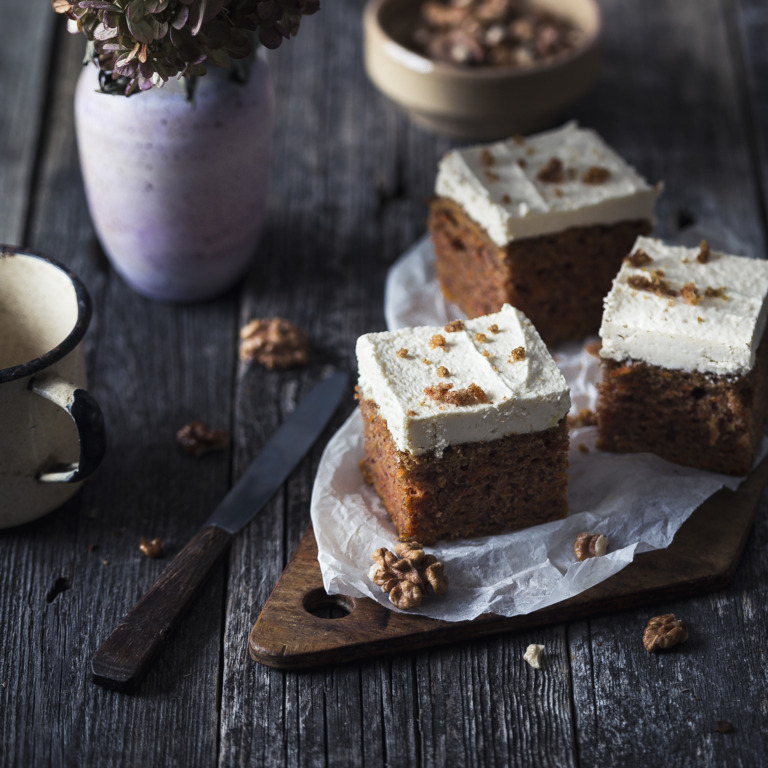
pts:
pixel 684 97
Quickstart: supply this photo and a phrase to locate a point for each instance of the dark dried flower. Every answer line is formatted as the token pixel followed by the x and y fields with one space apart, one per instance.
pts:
pixel 142 43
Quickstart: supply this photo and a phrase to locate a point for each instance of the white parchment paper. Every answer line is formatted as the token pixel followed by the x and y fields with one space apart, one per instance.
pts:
pixel 637 500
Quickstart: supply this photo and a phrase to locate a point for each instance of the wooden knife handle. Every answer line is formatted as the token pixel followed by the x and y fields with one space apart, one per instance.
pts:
pixel 126 655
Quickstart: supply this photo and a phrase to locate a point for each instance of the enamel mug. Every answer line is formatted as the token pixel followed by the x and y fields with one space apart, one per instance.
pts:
pixel 51 429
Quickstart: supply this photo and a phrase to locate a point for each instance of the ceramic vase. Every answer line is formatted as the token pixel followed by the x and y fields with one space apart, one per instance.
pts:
pixel 177 189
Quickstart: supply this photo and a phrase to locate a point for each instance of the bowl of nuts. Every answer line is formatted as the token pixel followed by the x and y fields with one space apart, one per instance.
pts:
pixel 482 69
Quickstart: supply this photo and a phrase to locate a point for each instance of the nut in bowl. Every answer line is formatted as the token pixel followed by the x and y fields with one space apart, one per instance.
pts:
pixel 491 85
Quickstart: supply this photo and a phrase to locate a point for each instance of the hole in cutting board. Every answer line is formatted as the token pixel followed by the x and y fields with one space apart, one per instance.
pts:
pixel 319 603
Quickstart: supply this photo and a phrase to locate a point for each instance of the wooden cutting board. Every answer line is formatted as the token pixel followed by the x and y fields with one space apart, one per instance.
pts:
pixel 703 557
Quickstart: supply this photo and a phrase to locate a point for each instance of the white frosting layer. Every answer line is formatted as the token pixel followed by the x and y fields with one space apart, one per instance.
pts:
pixel 526 396
pixel 717 335
pixel 508 200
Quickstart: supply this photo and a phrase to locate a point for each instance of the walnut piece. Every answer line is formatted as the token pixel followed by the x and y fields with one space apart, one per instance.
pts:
pixel 407 574
pixel 664 632
pixel 275 343
pixel 593 348
pixel 444 393
pixel 517 355
pixel 590 545
pixel 483 33
pixel 552 172
pixel 197 438
pixel 639 258
pixel 402 352
pixel 481 338
pixel 584 418
pixel 690 294
pixel 151 547
pixel 533 655
pixel 443 372
pixel 596 174
pixel 705 252
pixel 437 341
pixel 653 285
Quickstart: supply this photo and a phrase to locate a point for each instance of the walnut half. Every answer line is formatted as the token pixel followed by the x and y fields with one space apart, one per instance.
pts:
pixel 407 573
pixel 664 632
pixel 590 545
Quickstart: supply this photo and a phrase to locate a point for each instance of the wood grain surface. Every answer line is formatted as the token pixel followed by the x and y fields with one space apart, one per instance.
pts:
pixel 298 627
pixel 683 96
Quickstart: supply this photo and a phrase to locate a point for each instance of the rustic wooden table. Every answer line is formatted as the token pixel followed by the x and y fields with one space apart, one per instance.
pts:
pixel 684 96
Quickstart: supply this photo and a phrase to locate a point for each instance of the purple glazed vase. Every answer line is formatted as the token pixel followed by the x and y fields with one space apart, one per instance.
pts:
pixel 177 190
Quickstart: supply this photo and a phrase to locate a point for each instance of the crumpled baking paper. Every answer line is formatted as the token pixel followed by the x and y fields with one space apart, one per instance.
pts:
pixel 638 501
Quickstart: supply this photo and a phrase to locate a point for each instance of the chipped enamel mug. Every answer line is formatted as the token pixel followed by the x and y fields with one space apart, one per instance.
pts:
pixel 51 429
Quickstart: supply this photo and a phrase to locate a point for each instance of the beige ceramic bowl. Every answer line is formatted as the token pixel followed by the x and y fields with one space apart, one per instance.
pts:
pixel 480 102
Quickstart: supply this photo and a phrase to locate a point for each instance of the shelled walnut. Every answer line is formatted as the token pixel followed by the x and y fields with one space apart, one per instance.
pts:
pixel 533 655
pixel 590 545
pixel 275 343
pixel 151 547
pixel 664 632
pixel 407 573
pixel 197 438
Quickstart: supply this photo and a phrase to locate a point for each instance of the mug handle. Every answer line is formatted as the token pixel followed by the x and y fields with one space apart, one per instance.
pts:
pixel 86 414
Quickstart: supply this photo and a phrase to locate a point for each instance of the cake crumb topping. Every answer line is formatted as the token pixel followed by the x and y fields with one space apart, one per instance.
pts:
pixel 655 285
pixel 491 175
pixel 487 158
pixel 481 338
pixel 596 174
pixel 410 412
pixel 517 354
pixel 402 352
pixel 552 172
pixel 443 372
pixel 506 199
pixel 444 393
pixel 690 294
pixel 437 341
pixel 715 293
pixel 705 252
pixel 639 258
pixel 454 326
pixel 493 328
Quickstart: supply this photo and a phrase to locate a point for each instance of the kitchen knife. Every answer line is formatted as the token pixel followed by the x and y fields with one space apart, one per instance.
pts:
pixel 127 653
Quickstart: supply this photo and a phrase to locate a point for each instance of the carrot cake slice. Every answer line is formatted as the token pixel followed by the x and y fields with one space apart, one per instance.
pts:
pixel 541 223
pixel 684 357
pixel 464 426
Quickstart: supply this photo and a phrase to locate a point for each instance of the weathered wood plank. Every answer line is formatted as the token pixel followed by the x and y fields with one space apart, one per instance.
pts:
pixel 153 368
pixel 749 30
pixel 676 110
pixel 24 71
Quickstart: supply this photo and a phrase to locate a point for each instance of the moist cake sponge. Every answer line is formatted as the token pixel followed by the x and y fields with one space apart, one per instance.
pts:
pixel 464 427
pixel 541 223
pixel 684 357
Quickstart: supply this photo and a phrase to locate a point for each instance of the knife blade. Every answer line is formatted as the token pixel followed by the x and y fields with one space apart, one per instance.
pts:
pixel 125 656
